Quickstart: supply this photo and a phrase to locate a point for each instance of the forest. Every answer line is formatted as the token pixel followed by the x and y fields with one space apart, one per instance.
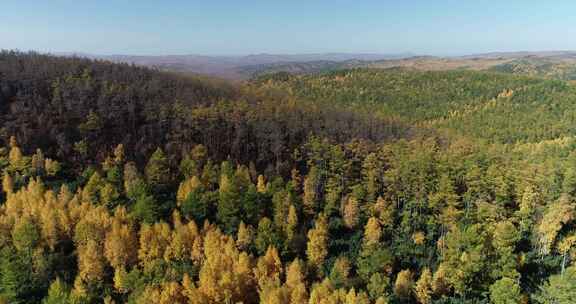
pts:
pixel 125 184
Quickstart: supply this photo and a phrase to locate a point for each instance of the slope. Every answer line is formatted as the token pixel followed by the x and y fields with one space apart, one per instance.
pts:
pixel 81 109
pixel 492 106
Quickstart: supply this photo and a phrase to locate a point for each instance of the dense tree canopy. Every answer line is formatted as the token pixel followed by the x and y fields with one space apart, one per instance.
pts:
pixel 122 184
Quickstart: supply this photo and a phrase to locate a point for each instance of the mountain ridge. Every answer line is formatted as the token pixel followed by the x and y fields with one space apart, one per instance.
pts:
pixel 242 67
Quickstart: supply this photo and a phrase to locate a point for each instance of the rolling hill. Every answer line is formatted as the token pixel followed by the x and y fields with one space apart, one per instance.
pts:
pixel 233 67
pixel 125 184
pixel 552 64
pixel 470 102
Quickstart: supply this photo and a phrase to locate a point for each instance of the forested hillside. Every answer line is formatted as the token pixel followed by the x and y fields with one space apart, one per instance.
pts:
pixel 553 65
pixel 122 184
pixel 474 104
pixel 560 68
pixel 79 109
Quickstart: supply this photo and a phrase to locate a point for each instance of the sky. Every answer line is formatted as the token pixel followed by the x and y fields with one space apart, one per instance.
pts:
pixel 241 27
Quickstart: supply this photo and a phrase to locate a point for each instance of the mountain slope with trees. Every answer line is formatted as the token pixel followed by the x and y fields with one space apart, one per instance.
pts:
pixel 80 109
pixel 476 104
pixel 122 184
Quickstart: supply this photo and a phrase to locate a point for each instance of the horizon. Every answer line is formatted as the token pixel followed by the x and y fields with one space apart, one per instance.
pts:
pixel 225 28
pixel 397 55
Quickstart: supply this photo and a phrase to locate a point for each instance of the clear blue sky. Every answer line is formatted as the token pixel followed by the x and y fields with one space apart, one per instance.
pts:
pixel 286 26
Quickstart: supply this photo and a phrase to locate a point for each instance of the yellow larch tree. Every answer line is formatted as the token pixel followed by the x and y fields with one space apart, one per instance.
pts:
pixel 384 210
pixel 291 223
pixel 186 187
pixel 225 274
pixel 121 243
pixel 268 269
pixel 295 274
pixel 7 183
pixel 244 236
pixel 153 242
pixel 372 233
pixel 317 246
pixel 181 241
pixel 91 262
pixel 171 293
pixel 15 157
pixel 423 288
pixel 261 186
pixel 403 285
pixel 351 212
pixel 556 216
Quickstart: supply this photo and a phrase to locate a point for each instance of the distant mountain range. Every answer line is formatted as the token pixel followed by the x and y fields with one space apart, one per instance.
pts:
pixel 553 64
pixel 234 67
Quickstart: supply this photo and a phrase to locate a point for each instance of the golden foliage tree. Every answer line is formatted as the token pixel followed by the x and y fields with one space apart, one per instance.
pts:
pixel 153 243
pixel 372 233
pixel 291 223
pixel 268 269
pixel 351 212
pixel 91 263
pixel 7 183
pixel 556 216
pixel 403 285
pixel 186 187
pixel 244 236
pixel 423 288
pixel 317 247
pixel 121 243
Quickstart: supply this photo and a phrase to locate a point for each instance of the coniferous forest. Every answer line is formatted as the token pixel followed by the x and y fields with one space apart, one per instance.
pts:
pixel 125 184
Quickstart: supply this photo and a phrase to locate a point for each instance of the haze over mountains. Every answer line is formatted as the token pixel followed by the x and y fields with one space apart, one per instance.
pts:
pixel 234 67
pixel 556 64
